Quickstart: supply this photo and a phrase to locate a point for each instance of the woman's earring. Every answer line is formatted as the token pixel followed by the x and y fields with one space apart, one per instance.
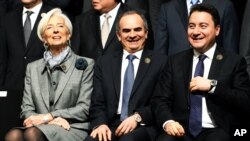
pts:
pixel 68 43
pixel 45 44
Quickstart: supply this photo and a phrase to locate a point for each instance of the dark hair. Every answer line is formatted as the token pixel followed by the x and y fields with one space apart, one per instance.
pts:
pixel 131 12
pixel 206 8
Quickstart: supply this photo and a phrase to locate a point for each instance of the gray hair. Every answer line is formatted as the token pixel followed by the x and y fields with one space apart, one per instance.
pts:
pixel 47 16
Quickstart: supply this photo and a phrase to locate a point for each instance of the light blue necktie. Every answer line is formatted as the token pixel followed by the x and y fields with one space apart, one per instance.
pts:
pixel 193 2
pixel 127 86
pixel 195 119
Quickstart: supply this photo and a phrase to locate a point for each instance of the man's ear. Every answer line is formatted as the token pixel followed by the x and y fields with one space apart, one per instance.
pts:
pixel 217 28
pixel 118 35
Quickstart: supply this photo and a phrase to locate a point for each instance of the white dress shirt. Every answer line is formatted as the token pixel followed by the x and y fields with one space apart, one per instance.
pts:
pixel 206 119
pixel 34 15
pixel 136 62
pixel 189 5
pixel 113 14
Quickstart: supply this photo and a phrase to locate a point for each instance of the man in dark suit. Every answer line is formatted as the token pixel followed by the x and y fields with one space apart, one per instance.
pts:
pixel 14 56
pixel 171 38
pixel 114 116
pixel 87 40
pixel 201 89
pixel 245 36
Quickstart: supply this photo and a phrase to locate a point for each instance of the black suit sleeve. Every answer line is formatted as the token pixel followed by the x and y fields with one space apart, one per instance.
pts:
pixel 163 96
pixel 98 114
pixel 233 93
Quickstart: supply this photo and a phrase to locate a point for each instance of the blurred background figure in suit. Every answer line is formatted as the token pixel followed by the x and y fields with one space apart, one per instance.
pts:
pixel 87 5
pixel 58 87
pixel 152 7
pixel 245 36
pixel 171 38
pixel 16 51
pixel 87 39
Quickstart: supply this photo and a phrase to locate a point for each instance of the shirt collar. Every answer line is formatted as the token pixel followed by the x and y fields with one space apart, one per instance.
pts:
pixel 209 53
pixel 137 54
pixel 113 12
pixel 189 1
pixel 35 9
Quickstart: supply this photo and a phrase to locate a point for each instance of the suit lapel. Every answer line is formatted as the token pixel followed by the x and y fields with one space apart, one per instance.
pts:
pixel 181 8
pixel 216 63
pixel 43 77
pixel 95 22
pixel 187 72
pixel 20 33
pixel 116 72
pixel 112 33
pixel 64 80
pixel 145 62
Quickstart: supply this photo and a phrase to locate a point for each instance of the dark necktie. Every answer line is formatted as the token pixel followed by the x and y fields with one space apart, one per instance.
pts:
pixel 127 86
pixel 27 27
pixel 195 119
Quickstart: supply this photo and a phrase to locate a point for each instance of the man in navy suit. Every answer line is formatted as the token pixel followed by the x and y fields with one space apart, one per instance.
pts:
pixel 108 101
pixel 222 91
pixel 15 55
pixel 170 37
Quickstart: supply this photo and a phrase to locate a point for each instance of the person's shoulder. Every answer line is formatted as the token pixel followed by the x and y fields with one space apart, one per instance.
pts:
pixel 13 14
pixel 156 55
pixel 182 53
pixel 36 63
pixel 232 55
pixel 221 3
pixel 107 58
pixel 170 3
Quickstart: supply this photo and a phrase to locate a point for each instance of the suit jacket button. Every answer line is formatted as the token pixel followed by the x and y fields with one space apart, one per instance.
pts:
pixel 63 67
pixel 25 57
pixel 54 83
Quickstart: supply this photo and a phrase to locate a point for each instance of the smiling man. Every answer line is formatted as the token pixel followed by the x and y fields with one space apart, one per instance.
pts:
pixel 202 88
pixel 123 85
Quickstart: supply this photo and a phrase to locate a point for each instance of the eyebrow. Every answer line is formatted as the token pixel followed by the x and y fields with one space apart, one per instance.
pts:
pixel 134 29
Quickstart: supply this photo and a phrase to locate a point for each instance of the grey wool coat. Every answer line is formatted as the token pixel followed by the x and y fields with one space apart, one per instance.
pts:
pixel 71 97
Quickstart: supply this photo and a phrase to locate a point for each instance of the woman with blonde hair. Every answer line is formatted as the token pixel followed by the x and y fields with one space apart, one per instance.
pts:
pixel 57 87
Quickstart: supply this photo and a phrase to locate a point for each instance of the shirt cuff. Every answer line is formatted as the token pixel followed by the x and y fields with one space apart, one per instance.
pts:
pixel 166 122
pixel 212 90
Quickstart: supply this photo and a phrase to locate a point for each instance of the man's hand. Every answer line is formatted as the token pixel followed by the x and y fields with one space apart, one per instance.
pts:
pixel 128 125
pixel 103 132
pixel 174 129
pixel 199 84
